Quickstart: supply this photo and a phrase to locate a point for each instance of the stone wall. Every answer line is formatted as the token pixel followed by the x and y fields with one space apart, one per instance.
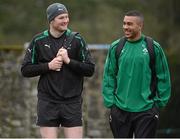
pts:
pixel 17 98
pixel 97 115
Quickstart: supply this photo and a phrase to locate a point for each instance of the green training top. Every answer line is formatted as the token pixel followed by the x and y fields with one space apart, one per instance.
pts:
pixel 129 87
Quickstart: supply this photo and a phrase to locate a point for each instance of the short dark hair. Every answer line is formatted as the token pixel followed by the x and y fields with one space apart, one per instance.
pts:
pixel 135 13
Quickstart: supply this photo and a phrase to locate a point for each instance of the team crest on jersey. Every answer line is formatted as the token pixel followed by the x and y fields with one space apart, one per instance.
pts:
pixel 145 51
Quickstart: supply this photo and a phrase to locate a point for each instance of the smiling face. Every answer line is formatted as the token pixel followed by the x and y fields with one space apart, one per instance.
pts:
pixel 60 22
pixel 132 26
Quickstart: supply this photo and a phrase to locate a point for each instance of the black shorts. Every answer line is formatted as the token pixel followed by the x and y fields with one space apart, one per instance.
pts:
pixel 51 114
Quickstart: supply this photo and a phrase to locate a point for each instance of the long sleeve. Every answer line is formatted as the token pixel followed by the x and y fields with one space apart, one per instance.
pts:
pixel 85 65
pixel 30 66
pixel 109 78
pixel 163 78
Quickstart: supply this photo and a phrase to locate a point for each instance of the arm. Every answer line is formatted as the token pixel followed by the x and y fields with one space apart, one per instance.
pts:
pixel 163 77
pixel 85 65
pixel 109 79
pixel 32 70
pixel 31 66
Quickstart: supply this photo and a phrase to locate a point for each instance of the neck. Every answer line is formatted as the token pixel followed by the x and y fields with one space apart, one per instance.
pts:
pixel 55 33
pixel 137 37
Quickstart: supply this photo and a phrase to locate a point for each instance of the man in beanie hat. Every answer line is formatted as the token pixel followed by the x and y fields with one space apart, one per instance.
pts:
pixel 61 70
pixel 54 10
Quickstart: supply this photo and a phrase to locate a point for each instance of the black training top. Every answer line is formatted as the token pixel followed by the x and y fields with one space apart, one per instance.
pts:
pixel 58 86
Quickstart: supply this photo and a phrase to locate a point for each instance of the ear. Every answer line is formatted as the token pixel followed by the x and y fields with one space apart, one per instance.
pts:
pixel 141 25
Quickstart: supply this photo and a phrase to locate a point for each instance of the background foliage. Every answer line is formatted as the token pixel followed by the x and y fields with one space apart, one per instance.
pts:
pixel 100 21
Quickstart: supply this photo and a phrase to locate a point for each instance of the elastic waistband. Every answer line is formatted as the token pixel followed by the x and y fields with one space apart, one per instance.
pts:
pixel 75 99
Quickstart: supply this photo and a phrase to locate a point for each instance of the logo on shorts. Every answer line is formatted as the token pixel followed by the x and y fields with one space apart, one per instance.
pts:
pixel 29 50
pixel 156 116
pixel 110 118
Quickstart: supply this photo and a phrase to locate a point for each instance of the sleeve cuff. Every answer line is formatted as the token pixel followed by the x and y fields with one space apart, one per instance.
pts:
pixel 45 66
pixel 160 105
pixel 72 63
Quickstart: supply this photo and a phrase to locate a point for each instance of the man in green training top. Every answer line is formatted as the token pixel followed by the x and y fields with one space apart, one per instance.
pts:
pixel 127 85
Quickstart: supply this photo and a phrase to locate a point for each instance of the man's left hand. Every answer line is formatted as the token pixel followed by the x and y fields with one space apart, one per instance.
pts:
pixel 63 52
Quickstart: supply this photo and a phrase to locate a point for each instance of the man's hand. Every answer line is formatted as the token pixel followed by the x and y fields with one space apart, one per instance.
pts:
pixel 56 63
pixel 63 53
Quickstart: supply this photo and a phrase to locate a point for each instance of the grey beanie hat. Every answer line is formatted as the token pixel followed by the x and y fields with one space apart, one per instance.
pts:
pixel 54 10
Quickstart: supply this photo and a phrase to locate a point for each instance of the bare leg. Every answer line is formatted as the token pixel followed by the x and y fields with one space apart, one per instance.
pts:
pixel 49 132
pixel 73 132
